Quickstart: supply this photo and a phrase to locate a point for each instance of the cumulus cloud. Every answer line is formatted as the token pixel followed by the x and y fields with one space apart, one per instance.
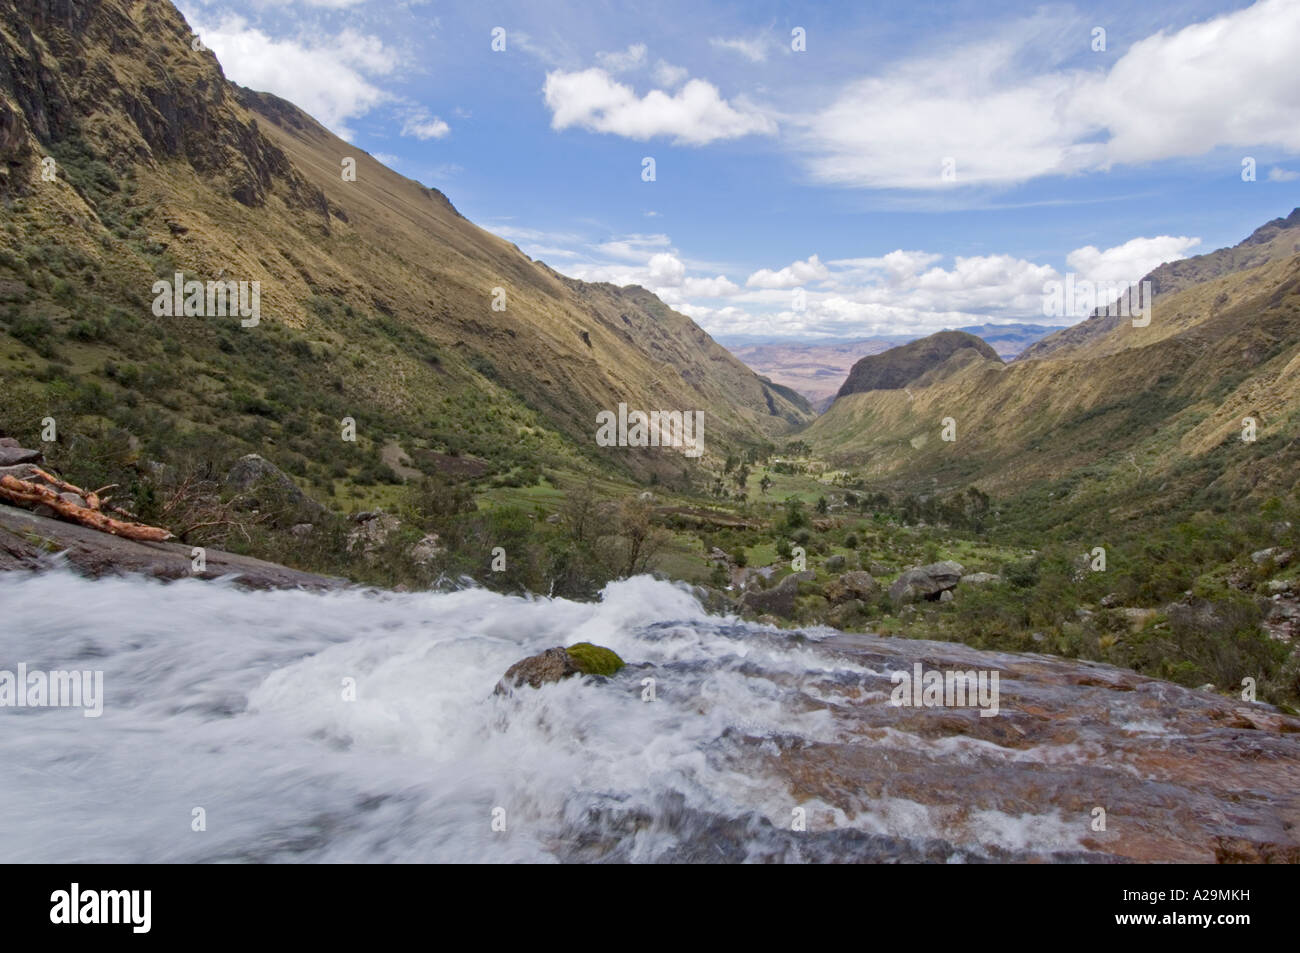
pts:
pixel 694 115
pixel 329 77
pixel 901 292
pixel 791 276
pixel 1279 174
pixel 425 127
pixel 1227 82
pixel 1128 262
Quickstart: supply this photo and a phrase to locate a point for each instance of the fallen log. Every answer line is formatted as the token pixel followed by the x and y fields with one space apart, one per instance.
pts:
pixel 23 491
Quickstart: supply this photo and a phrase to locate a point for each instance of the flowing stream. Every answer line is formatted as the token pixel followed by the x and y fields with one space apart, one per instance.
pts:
pixel 232 706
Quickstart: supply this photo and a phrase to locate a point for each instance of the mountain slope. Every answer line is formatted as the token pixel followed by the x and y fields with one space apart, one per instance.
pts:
pixel 376 295
pixel 1272 244
pixel 1127 419
pixel 910 363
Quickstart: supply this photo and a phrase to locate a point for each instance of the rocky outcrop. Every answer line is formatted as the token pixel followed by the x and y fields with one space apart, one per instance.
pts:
pixel 905 364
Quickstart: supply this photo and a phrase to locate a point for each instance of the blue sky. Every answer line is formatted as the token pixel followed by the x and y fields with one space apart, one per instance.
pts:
pixel 809 193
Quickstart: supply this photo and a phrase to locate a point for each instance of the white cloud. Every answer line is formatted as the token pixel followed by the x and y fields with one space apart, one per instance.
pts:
pixel 754 50
pixel 425 127
pixel 1231 81
pixel 716 287
pixel 1131 261
pixel 1228 82
pixel 629 59
pixel 791 276
pixel 667 75
pixel 902 292
pixel 1279 174
pixel 327 77
pixel 695 115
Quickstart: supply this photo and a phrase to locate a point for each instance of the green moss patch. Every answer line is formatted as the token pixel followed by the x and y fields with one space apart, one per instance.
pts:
pixel 594 659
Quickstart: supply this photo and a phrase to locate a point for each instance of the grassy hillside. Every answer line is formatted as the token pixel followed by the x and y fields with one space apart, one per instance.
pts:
pixel 377 297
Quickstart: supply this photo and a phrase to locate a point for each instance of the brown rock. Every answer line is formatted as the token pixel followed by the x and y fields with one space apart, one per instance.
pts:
pixel 553 665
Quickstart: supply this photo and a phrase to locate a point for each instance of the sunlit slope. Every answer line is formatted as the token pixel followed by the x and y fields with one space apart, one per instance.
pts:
pixel 1139 412
pixel 376 295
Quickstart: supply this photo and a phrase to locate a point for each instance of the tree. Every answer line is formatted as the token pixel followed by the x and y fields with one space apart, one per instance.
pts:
pixel 822 506
pixel 765 484
pixel 642 540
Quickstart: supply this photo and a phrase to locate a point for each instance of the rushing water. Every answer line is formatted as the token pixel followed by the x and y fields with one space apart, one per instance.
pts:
pixel 233 701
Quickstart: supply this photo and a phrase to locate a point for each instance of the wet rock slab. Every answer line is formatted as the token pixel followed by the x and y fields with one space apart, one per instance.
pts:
pixel 32 542
pixel 1182 775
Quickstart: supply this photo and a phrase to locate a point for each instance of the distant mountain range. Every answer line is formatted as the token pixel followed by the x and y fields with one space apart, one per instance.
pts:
pixel 817 370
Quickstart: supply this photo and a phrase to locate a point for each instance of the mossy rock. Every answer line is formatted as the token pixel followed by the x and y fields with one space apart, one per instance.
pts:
pixel 594 659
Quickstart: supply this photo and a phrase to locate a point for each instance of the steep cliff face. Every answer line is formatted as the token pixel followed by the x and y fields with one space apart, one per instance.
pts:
pixel 374 284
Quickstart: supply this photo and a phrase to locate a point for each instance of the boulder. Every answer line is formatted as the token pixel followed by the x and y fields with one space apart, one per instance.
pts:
pixel 553 665
pixel 779 600
pixel 981 578
pixel 266 486
pixel 559 663
pixel 852 585
pixel 1279 557
pixel 835 563
pixel 13 456
pixel 925 582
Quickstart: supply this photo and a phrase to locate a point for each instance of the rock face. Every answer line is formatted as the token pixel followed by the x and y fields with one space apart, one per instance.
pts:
pixel 559 663
pixel 28 540
pixel 926 582
pixel 779 600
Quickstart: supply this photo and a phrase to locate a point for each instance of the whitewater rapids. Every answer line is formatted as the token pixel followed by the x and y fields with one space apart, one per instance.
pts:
pixel 233 702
